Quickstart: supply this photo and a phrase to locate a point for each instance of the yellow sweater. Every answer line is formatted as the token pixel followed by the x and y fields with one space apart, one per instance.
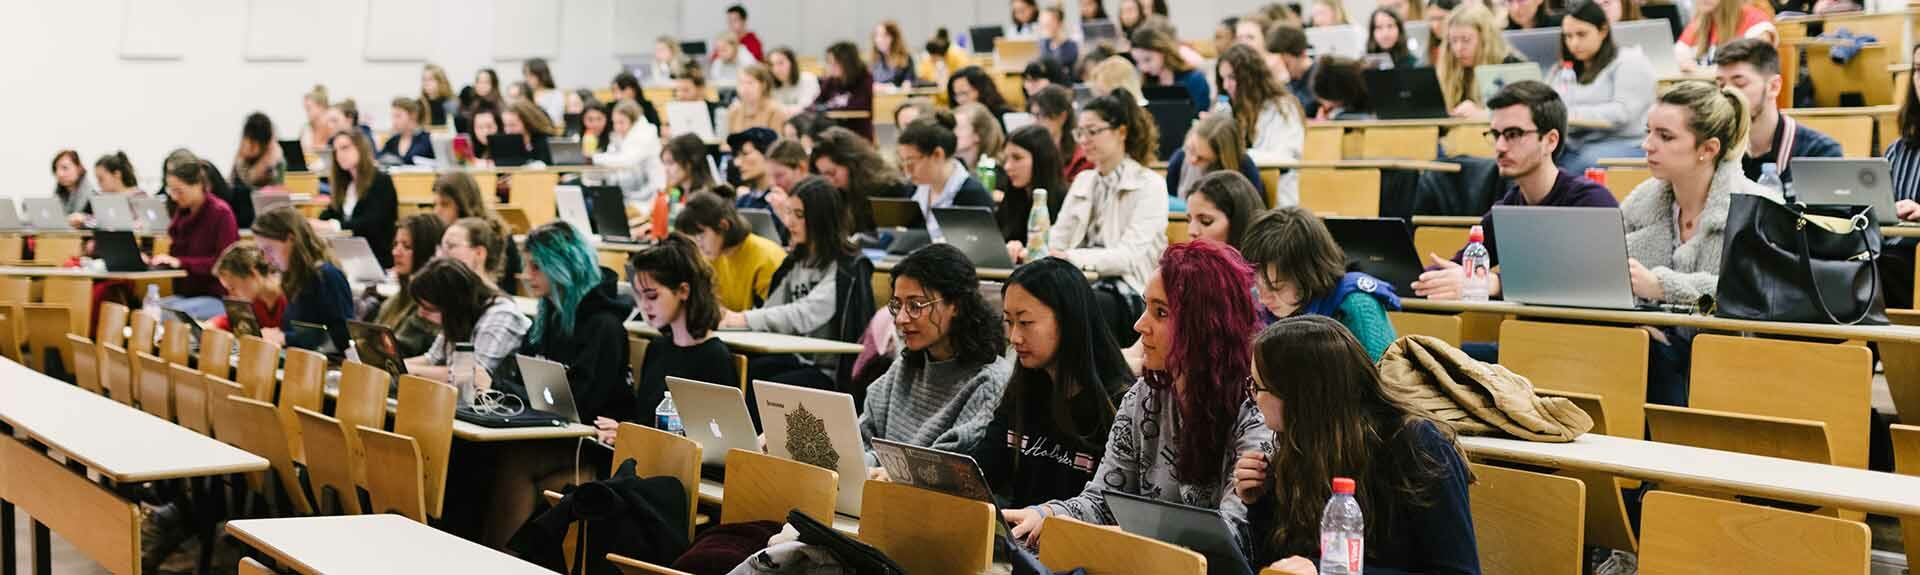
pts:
pixel 741 279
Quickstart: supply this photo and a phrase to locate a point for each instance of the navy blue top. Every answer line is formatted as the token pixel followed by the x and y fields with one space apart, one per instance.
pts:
pixel 1807 143
pixel 328 301
pixel 421 147
pixel 1177 165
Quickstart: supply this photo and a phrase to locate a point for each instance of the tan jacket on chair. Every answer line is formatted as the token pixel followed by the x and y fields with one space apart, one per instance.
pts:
pixel 1476 398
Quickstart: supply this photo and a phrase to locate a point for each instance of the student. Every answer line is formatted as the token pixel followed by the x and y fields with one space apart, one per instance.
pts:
pixel 1157 55
pixel 1752 66
pixel 344 116
pixel 892 62
pixel 848 86
pixel 793 88
pixel 1436 14
pixel 258 164
pixel 1052 108
pixel 1201 154
pixel 849 162
pixel 1031 162
pixel 753 182
pixel 1676 220
pixel 1116 74
pixel 1132 18
pixel 687 170
pixel 1196 368
pixel 1092 10
pixel 1317 387
pixel 1611 85
pixel 737 26
pixel 1222 206
pixel 112 174
pixel 542 90
pixel 1301 271
pixel 941 59
pixel 480 245
pixel 1059 400
pixel 1528 121
pixel 1290 65
pixel 1055 45
pixel 1405 9
pixel 409 139
pixel 415 243
pixel 1472 41
pixel 667 62
pixel 1529 14
pixel 485 122
pixel 579 323
pixel 1040 73
pixel 1023 20
pixel 754 106
pixel 1324 13
pixel 457 197
pixel 1270 121
pixel 942 391
pixel 1388 37
pixel 926 155
pixel 1896 263
pixel 972 85
pixel 634 152
pixel 822 290
pixel 201 228
pixel 524 118
pixel 469 310
pixel 1336 82
pixel 595 125
pixel 786 166
pixel 674 288
pixel 977 134
pixel 436 94
pixel 316 290
pixel 728 60
pixel 626 88
pixel 743 263
pixel 316 132
pixel 1717 23
pixel 484 94
pixel 364 201
pixel 1619 11
pixel 70 182
pixel 247 274
pixel 1114 219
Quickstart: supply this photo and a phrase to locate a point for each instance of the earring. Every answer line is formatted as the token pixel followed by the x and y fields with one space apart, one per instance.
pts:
pixel 1703 158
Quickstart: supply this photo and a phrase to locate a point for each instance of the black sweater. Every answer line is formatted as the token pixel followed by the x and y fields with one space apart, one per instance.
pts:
pixel 374 217
pixel 1037 463
pixel 328 301
pixel 594 351
pixel 706 362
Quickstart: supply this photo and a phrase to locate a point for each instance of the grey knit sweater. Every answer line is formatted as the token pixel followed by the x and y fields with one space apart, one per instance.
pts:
pixel 1692 269
pixel 946 405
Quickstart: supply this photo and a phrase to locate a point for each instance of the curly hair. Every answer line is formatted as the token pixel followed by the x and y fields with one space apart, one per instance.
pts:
pixel 976 333
pixel 1210 330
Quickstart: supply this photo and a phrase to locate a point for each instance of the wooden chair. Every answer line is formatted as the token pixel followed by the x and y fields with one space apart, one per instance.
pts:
pixel 1610 362
pixel 1906 461
pixel 1796 439
pixel 11 334
pixel 140 338
pixel 391 463
pixel 1854 133
pixel 1350 193
pixel 533 192
pixel 660 454
pixel 190 399
pixel 1527 522
pixel 425 414
pixel 156 385
pixel 1775 378
pixel 630 566
pixel 330 450
pixel 115 374
pixel 926 531
pixel 176 342
pixel 86 363
pixel 12 250
pixel 740 367
pixel 216 353
pixel 217 388
pixel 301 386
pixel 1683 533
pixel 258 360
pixel 56 250
pixel 1621 180
pixel 764 488
pixel 47 329
pixel 1443 326
pixel 363 395
pixel 1067 543
pixel 1441 240
pixel 250 567
pixel 636 355
pixel 112 324
pixel 254 426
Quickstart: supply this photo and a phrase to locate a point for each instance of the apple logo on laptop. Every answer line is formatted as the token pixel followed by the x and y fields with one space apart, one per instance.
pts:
pixel 714 426
pixel 549 393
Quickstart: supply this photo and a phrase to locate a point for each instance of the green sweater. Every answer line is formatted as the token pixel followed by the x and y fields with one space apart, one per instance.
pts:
pixel 1367 319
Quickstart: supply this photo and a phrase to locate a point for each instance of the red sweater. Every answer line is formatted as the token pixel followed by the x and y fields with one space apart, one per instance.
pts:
pixel 269 315
pixel 198 238
pixel 751 42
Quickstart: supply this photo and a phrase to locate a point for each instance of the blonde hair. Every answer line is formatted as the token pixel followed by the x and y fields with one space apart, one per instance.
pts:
pixel 1339 12
pixel 985 127
pixel 1116 73
pixel 1713 112
pixel 1456 81
pixel 440 83
pixel 1220 133
pixel 1723 20
pixel 318 94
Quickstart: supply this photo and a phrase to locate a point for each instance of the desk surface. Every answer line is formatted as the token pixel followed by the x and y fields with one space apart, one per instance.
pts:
pixel 1446 221
pixel 370 545
pixel 36 271
pixel 123 444
pixel 1436 122
pixel 762 342
pixel 1844 487
pixel 479 434
pixel 1379 164
pixel 1870 333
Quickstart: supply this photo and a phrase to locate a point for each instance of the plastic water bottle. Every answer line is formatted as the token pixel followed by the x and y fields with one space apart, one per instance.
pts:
pixel 151 305
pixel 673 208
pixel 461 372
pixel 1597 175
pixel 1477 265
pixel 1223 104
pixel 1343 532
pixel 667 417
pixel 1564 79
pixel 659 214
pixel 984 171
pixel 1039 225
pixel 1770 178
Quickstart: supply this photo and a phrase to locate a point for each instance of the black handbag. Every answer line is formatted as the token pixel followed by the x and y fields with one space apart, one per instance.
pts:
pixel 1800 263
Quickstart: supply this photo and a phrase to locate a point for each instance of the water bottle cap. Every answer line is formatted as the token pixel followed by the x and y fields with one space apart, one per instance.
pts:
pixel 1476 235
pixel 1343 485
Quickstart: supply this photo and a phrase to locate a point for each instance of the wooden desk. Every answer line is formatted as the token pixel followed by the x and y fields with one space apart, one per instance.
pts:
pixel 370 545
pixel 1784 479
pixel 36 271
pixel 1894 28
pixel 479 434
pixel 1885 334
pixel 1446 221
pixel 1407 139
pixel 714 493
pixel 762 342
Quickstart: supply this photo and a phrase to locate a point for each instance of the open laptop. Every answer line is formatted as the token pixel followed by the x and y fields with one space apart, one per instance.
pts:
pixel 714 416
pixel 609 214
pixel 1346 41
pixel 1380 247
pixel 815 427
pixel 1173 113
pixel 1093 32
pixel 1652 37
pixel 1563 256
pixel 547 387
pixel 1846 181
pixel 264 202
pixel 1202 530
pixel 295 155
pixel 896 213
pixel 933 470
pixel 763 223
pixel 694 49
pixel 442 148
pixel 357 260
pixel 46 214
pixel 974 231
pixel 1490 78
pixel 1418 34
pixel 10 216
pixel 508 150
pixel 691 118
pixel 377 346
pixel 150 214
pixel 1540 46
pixel 240 318
pixel 112 212
pixel 567 152
pixel 571 202
pixel 1405 94
pixel 120 250
pixel 983 37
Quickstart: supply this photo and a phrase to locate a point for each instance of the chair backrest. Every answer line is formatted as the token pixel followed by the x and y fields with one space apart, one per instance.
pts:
pixel 1796 439
pixel 190 398
pixel 216 353
pixel 254 426
pixel 392 466
pixel 156 386
pixel 631 566
pixel 657 453
pixel 1527 522
pixel 1906 461
pixel 176 342
pixel 636 356
pixel 250 567
pixel 1067 543
pixel 15 289
pixel 426 415
pixel 301 386
pixel 111 326
pixel 140 339
pixel 363 395
pixel 762 487
pixel 115 374
pixel 11 334
pixel 1683 533
pixel 86 363
pixel 926 531
pixel 330 462
pixel 47 329
pixel 1777 378
pixel 740 367
pixel 1444 326
pixel 1610 362
pixel 217 388
pixel 258 360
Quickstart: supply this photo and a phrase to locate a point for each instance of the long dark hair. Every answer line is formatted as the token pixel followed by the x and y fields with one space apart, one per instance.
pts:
pixel 1093 373
pixel 424 229
pixel 853 72
pixel 457 291
pixel 976 332
pixel 827 221
pixel 1590 12
pixel 1340 421
pixel 1047 174
pixel 1910 115
pixel 867 172
pixel 676 261
pixel 708 210
pixel 1254 87
pixel 1398 51
pixel 1234 195
pixel 983 85
pixel 1121 112
pixel 1211 322
pixel 691 153
pixel 1053 101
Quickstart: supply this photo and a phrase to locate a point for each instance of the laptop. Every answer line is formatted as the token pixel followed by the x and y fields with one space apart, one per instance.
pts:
pixel 571 202
pixel 567 152
pixel 1380 247
pixel 1172 115
pixel 693 49
pixel 896 213
pixel 983 37
pixel 357 260
pixel 1563 256
pixel 933 470
pixel 1418 33
pixel 1490 78
pixel 1846 181
pixel 1347 41
pixel 295 155
pixel 508 150
pixel 442 148
pixel 112 212
pixel 46 214
pixel 974 231
pixel 547 387
pixel 609 213
pixel 815 427
pixel 691 118
pixel 264 202
pixel 1540 46
pixel 1652 37
pixel 1202 530
pixel 150 214
pixel 240 317
pixel 10 216
pixel 376 346
pixel 714 416
pixel 1093 32
pixel 1405 94
pixel 763 223
pixel 120 250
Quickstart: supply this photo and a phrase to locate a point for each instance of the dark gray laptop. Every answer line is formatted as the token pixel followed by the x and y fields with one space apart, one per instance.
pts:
pixel 1846 181
pixel 974 231
pixel 1540 46
pixel 1563 256
pixel 1406 94
pixel 763 223
pixel 1202 530
pixel 1380 247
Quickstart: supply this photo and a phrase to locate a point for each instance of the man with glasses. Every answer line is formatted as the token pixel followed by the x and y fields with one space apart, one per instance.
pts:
pixel 1528 124
pixel 926 155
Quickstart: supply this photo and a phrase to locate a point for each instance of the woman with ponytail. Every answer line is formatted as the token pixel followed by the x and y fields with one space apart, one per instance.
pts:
pixel 1114 219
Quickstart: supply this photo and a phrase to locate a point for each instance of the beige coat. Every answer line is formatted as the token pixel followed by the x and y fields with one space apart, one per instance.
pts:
pixel 1476 398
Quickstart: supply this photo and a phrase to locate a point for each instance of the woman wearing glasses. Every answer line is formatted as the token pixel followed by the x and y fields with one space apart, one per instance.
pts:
pixel 942 391
pixel 823 289
pixel 1113 221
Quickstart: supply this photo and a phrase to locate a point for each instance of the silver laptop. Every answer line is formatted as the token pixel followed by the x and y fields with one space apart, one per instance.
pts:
pixel 1418 34
pixel 547 387
pixel 264 202
pixel 566 152
pixel 1347 41
pixel 9 216
pixel 1541 46
pixel 1492 77
pixel 691 118
pixel 112 212
pixel 46 214
pixel 1654 38
pixel 357 260
pixel 150 214
pixel 762 222
pixel 1846 181
pixel 1563 256
pixel 815 427
pixel 715 416
pixel 442 149
pixel 572 205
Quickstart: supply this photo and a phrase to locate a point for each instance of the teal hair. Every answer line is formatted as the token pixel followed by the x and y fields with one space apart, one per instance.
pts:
pixel 571 268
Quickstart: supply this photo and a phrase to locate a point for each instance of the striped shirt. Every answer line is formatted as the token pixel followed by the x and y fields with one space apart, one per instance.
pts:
pixel 1905 164
pixel 495 336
